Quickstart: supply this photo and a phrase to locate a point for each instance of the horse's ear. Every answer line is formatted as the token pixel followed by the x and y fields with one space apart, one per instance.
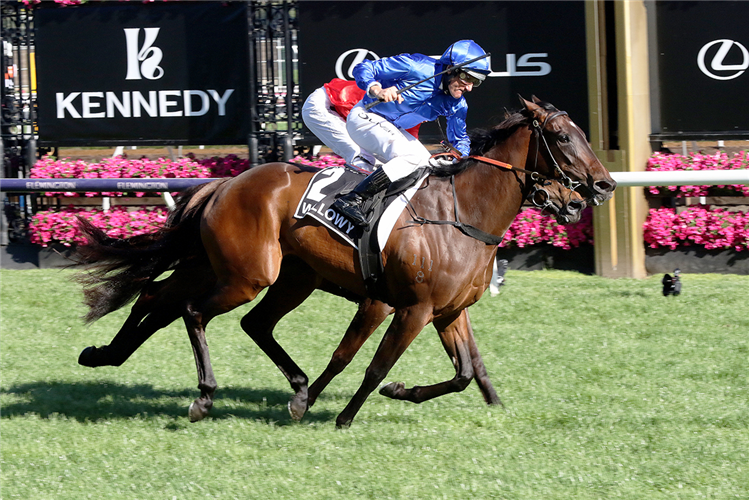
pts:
pixel 530 106
pixel 536 99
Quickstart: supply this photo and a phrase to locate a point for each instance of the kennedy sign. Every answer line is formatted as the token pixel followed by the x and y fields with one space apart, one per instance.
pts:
pixel 537 48
pixel 702 61
pixel 136 74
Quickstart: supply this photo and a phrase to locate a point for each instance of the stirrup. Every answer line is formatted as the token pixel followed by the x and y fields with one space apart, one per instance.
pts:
pixel 351 210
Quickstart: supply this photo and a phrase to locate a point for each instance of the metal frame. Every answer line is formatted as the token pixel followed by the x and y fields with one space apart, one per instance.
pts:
pixel 274 80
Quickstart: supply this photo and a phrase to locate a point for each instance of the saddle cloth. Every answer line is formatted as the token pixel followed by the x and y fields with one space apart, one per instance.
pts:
pixel 321 192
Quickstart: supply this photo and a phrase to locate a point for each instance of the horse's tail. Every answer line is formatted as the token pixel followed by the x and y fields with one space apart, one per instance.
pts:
pixel 119 269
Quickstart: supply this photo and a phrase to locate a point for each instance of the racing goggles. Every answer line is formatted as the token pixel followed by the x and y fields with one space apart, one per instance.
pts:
pixel 467 77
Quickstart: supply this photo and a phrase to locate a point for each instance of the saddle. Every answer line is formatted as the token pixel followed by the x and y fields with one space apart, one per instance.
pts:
pixel 329 183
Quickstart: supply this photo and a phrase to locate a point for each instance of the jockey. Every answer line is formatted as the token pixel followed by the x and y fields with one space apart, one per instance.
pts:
pixel 324 113
pixel 381 131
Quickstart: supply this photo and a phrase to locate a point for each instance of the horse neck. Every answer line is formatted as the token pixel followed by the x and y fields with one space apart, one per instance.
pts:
pixel 492 195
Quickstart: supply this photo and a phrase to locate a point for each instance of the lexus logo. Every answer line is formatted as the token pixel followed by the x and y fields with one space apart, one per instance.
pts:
pixel 143 62
pixel 718 70
pixel 356 56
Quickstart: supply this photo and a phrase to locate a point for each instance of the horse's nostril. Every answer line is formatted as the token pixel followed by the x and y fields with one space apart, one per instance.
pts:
pixel 605 186
pixel 575 206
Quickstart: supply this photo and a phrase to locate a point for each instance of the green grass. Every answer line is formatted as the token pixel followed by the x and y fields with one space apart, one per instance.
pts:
pixel 611 391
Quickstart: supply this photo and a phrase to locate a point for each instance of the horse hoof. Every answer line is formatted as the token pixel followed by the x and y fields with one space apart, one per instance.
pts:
pixel 393 389
pixel 86 357
pixel 196 413
pixel 297 408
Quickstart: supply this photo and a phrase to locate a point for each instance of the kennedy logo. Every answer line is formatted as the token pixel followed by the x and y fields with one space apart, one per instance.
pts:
pixel 718 68
pixel 143 62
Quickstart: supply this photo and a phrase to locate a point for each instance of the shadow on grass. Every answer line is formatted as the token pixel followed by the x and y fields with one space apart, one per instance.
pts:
pixel 91 401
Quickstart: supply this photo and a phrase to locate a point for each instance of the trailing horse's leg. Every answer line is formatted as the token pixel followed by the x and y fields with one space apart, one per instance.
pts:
pixel 454 333
pixel 206 381
pixel 159 304
pixel 296 281
pixel 406 325
pixel 196 315
pixel 131 336
pixel 369 316
pixel 479 370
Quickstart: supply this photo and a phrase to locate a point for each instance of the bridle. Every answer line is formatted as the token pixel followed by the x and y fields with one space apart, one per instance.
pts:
pixel 539 180
pixel 538 131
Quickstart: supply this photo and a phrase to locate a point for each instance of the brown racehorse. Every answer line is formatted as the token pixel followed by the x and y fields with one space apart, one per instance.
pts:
pixel 160 303
pixel 244 227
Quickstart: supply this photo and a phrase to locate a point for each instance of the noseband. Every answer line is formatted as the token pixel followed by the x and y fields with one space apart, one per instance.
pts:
pixel 538 129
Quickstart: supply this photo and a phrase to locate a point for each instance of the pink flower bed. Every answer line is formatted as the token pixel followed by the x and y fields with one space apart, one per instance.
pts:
pixel 720 161
pixel 50 227
pixel 712 228
pixel 124 168
pixel 703 226
pixel 530 228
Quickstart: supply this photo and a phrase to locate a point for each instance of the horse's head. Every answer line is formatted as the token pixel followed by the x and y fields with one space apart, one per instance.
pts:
pixel 566 205
pixel 563 153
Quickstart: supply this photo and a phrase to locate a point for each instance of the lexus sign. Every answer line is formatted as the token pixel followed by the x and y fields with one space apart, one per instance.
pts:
pixel 702 63
pixel 523 38
pixel 115 73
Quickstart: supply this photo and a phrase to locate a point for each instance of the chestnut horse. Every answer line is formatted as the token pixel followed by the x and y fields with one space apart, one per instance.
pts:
pixel 160 303
pixel 244 229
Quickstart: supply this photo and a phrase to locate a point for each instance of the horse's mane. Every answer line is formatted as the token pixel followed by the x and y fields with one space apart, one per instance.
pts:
pixel 482 140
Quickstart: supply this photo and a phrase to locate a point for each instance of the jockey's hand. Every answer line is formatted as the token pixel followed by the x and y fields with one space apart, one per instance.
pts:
pixel 386 95
pixel 442 161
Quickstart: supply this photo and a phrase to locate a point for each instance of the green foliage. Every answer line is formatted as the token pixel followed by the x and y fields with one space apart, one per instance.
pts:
pixel 610 389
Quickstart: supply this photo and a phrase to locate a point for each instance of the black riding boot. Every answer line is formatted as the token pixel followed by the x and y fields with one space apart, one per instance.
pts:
pixel 350 203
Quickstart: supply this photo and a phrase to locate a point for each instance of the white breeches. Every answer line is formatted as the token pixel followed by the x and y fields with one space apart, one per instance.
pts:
pixel 330 128
pixel 401 151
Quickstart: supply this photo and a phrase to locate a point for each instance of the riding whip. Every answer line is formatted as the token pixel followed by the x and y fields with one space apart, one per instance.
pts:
pixel 451 68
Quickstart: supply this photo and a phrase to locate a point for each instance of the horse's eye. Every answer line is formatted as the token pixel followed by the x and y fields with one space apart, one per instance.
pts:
pixel 564 138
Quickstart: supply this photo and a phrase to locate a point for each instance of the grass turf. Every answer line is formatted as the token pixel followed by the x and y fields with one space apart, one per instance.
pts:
pixel 610 389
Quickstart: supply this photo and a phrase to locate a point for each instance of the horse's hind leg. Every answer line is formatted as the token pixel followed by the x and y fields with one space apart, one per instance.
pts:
pixel 156 308
pixel 296 281
pixel 479 369
pixel 197 314
pixel 453 332
pixel 368 317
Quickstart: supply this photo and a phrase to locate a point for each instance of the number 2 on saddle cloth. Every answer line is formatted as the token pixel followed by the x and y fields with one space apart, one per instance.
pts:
pixel 344 94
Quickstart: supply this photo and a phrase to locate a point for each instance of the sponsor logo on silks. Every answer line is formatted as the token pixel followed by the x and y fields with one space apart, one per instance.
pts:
pixel 717 64
pixel 337 220
pixel 143 62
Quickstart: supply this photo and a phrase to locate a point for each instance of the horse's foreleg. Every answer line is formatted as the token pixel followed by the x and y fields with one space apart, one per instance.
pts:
pixel 454 334
pixel 296 281
pixel 405 326
pixel 368 317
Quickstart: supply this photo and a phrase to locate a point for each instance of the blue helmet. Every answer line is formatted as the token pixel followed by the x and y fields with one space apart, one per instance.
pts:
pixel 463 51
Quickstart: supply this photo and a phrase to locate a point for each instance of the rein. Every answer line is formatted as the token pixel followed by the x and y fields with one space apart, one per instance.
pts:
pixel 535 176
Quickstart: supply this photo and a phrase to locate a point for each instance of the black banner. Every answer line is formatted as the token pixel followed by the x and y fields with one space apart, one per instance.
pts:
pixel 538 48
pixel 703 58
pixel 167 73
